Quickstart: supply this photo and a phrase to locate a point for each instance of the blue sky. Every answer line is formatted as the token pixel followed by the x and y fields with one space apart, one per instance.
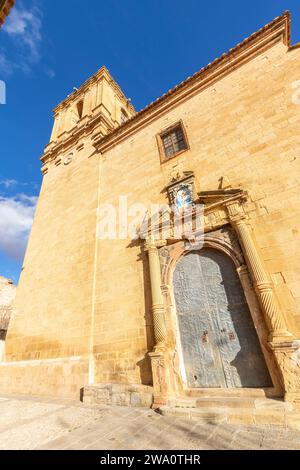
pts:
pixel 49 46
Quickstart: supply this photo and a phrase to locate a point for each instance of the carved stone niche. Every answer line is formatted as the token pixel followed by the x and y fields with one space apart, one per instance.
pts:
pixel 182 191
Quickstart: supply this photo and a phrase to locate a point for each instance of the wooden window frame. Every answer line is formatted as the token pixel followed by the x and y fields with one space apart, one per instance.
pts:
pixel 160 144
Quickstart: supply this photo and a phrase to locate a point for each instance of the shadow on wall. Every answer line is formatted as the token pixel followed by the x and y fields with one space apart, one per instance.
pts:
pixel 249 362
pixel 144 364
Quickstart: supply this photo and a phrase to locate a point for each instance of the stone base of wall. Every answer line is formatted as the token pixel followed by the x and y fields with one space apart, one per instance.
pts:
pixel 119 394
pixel 62 377
pixel 267 413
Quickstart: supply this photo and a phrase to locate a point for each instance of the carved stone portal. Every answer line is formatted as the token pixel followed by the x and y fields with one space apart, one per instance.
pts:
pixel 226 229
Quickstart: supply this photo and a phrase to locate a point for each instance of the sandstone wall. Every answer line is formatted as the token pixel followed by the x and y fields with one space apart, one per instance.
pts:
pixel 242 130
pixel 75 294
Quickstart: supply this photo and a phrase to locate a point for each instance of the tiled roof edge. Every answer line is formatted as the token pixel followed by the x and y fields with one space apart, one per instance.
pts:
pixel 283 21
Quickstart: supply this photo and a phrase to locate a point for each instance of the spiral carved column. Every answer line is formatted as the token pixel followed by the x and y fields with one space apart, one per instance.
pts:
pixel 261 279
pixel 158 309
pixel 161 362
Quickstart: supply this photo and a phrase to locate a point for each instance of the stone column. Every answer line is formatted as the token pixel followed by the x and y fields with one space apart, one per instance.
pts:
pixel 158 309
pixel 260 277
pixel 159 357
pixel 284 346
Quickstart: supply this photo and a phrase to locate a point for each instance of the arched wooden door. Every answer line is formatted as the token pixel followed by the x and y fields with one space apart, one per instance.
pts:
pixel 219 342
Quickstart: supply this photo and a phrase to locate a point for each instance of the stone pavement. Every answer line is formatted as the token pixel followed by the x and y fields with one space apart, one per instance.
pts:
pixel 40 423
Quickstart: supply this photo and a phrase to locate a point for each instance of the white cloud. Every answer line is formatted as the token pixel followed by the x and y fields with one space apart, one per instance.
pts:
pixel 8 183
pixel 16 216
pixel 6 66
pixel 50 73
pixel 17 22
pixel 31 200
pixel 24 27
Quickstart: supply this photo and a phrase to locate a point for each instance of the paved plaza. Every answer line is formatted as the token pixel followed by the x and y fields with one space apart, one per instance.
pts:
pixel 40 423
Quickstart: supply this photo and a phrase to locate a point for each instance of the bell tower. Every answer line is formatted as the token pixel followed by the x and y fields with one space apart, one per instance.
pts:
pixel 52 327
pixel 98 103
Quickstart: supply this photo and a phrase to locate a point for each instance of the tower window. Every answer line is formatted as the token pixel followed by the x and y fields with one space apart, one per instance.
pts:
pixel 172 141
pixel 124 116
pixel 80 108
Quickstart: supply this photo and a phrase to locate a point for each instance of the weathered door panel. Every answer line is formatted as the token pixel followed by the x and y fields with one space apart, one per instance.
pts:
pixel 202 358
pixel 219 341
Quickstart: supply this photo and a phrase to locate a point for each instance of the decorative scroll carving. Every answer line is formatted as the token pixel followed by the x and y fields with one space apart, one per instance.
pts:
pixel 159 378
pixel 288 358
pixel 68 159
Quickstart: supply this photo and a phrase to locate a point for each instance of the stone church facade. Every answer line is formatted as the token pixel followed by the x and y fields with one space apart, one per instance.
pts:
pixel 149 320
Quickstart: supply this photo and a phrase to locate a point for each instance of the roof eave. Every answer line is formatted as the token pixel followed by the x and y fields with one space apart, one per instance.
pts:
pixel 277 30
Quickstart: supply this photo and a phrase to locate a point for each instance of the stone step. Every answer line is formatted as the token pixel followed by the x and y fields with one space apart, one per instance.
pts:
pixel 228 402
pixel 244 416
pixel 223 392
pixel 213 402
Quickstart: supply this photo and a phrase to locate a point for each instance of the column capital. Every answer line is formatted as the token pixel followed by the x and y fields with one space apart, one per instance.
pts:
pixel 235 210
pixel 151 244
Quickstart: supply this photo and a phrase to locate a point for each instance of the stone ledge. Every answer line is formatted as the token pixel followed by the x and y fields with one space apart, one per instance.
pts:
pixel 119 394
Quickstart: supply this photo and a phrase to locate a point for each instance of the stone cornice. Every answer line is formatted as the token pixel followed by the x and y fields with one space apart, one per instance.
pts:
pixel 5 6
pixel 52 150
pixel 227 206
pixel 274 32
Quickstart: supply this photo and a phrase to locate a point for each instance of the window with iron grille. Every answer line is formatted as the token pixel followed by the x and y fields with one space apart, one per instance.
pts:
pixel 173 141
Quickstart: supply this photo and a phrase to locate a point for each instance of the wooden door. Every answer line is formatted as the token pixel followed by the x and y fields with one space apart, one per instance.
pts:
pixel 219 342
